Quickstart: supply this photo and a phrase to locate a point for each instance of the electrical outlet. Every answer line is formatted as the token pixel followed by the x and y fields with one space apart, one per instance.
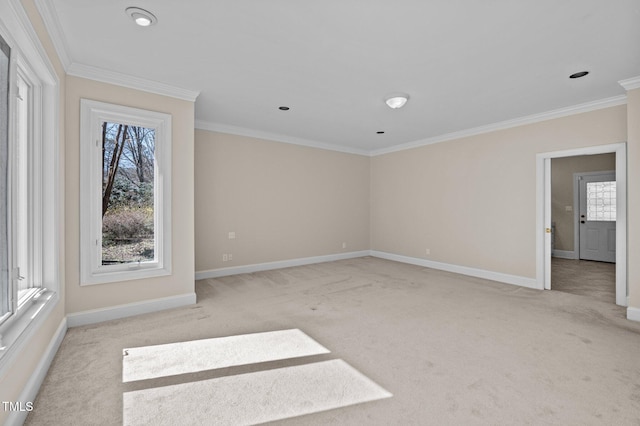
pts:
pixel 230 257
pixel 428 252
pixel 344 245
pixel 232 235
pixel 225 257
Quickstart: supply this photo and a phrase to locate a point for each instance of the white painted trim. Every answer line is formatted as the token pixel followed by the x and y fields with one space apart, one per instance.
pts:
pixel 32 386
pixel 564 254
pixel 543 215
pixel 633 314
pixel 27 41
pixel 464 270
pixel 547 224
pixel 630 83
pixel 18 334
pixel 119 79
pixel 92 115
pixel 541 166
pixel 259 134
pixel 131 309
pixel 268 266
pixel 52 23
pixel 622 284
pixel 530 119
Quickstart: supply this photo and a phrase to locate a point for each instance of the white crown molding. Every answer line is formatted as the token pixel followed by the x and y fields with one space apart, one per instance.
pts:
pixel 243 131
pixel 112 77
pixel 630 83
pixel 21 32
pixel 530 119
pixel 52 23
pixel 54 28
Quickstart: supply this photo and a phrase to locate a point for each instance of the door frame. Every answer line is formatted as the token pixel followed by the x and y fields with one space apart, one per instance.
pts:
pixel 543 214
pixel 576 205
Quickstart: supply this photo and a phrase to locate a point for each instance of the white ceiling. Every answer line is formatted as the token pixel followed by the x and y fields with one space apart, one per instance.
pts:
pixel 464 63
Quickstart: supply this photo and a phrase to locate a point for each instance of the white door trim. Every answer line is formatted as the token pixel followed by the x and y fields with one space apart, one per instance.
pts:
pixel 543 214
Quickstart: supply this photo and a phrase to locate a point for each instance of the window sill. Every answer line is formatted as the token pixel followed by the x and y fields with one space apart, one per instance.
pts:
pixel 17 332
pixel 129 275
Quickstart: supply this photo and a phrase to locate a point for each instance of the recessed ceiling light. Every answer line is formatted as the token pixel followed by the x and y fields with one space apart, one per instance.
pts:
pixel 579 74
pixel 141 17
pixel 396 100
pixel 284 108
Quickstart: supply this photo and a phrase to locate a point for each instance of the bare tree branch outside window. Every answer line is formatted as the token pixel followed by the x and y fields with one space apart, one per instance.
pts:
pixel 127 193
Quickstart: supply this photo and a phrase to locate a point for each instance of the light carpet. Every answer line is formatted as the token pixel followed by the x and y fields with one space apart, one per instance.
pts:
pixel 252 398
pixel 150 362
pixel 451 349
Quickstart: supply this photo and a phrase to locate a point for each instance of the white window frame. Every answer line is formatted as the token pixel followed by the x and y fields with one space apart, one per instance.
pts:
pixel 30 61
pixel 92 115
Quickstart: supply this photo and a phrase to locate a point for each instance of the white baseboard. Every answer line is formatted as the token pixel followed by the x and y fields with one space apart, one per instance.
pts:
pixel 128 310
pixel 247 269
pixel 464 270
pixel 32 387
pixel 564 254
pixel 633 314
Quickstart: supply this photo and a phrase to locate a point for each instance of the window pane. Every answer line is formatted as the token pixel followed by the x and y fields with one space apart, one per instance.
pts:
pixel 128 175
pixel 5 284
pixel 21 184
pixel 601 201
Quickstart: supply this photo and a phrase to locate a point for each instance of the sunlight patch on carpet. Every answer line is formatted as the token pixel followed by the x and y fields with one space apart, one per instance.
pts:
pixel 171 359
pixel 253 397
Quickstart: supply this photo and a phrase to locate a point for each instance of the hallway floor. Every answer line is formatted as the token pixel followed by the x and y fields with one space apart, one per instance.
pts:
pixel 584 277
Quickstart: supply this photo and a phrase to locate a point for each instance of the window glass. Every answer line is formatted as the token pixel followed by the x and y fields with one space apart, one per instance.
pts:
pixel 23 216
pixel 127 193
pixel 5 290
pixel 601 201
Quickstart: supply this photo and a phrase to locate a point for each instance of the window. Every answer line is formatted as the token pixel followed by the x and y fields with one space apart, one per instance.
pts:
pixel 125 191
pixel 29 128
pixel 20 218
pixel 601 201
pixel 5 282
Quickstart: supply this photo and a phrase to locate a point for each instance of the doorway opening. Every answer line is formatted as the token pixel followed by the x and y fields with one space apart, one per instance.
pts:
pixel 599 239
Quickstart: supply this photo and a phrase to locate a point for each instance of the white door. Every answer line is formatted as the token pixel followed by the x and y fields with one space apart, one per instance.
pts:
pixel 598 217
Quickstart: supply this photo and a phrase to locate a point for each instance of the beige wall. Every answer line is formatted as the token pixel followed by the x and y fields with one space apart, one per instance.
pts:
pixel 17 375
pixel 562 170
pixel 633 195
pixel 283 201
pixel 472 201
pixel 181 281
